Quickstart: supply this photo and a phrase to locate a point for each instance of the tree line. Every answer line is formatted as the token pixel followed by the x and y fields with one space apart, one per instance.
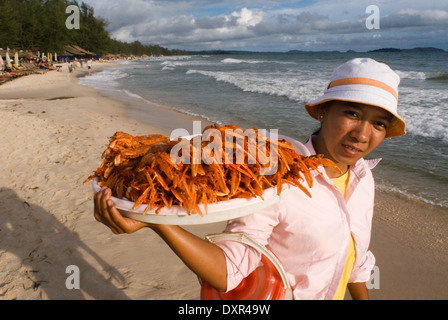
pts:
pixel 40 25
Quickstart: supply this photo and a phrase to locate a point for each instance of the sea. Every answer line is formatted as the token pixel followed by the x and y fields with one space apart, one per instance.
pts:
pixel 269 90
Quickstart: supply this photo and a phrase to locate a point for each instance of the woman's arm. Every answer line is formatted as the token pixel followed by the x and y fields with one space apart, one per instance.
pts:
pixel 205 259
pixel 358 291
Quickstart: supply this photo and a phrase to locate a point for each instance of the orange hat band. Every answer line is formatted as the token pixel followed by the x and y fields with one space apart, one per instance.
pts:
pixel 365 81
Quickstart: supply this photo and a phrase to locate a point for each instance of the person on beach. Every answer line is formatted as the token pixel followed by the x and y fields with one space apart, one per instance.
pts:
pixel 89 66
pixel 323 241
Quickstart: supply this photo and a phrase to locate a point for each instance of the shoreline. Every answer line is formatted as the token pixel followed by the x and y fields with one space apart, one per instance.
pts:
pixel 59 129
pixel 163 117
pixel 153 114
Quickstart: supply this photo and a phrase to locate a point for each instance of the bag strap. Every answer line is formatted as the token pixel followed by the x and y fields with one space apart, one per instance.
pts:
pixel 244 238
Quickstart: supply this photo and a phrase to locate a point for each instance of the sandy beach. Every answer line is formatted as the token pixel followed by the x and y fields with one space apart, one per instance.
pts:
pixel 54 132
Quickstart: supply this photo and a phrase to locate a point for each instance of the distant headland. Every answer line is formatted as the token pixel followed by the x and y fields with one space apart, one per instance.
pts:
pixel 423 49
pixel 426 49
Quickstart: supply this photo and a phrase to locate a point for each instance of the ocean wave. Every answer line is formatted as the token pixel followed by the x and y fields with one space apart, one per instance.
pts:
pixel 233 60
pixel 428 199
pixel 168 68
pixel 293 88
pixel 425 128
pixel 437 76
pixel 106 79
pixel 206 117
pixel 420 75
pixel 170 65
pixel 175 58
pixel 237 61
pixel 413 75
pixel 425 112
pixel 133 95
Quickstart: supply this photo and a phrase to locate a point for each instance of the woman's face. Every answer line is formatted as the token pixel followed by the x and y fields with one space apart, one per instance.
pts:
pixel 350 131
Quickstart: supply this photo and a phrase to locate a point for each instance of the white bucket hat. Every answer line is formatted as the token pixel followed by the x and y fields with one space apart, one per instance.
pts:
pixel 366 81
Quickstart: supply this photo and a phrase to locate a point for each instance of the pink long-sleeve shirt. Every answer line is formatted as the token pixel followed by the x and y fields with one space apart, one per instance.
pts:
pixel 311 236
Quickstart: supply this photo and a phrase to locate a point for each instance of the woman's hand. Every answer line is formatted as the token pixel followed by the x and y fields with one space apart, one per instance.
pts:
pixel 202 257
pixel 107 213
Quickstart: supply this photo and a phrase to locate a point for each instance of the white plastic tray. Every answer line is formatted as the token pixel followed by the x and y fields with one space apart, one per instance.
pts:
pixel 216 212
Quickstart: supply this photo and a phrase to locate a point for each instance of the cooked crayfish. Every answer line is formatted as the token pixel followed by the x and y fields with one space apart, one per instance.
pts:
pixel 143 170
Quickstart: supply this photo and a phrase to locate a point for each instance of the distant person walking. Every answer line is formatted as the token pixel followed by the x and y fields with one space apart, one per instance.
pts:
pixel 89 66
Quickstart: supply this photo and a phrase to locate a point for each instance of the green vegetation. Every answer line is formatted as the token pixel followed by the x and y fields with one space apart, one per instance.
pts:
pixel 40 25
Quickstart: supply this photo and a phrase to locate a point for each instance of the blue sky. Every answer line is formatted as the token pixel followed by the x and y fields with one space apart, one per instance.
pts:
pixel 276 25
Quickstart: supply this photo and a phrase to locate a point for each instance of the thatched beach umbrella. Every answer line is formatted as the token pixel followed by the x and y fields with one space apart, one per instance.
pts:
pixel 27 54
pixel 2 64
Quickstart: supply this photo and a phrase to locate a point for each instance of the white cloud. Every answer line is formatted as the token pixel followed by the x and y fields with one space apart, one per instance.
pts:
pixel 248 17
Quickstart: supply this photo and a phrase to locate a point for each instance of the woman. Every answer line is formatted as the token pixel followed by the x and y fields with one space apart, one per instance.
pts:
pixel 321 241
